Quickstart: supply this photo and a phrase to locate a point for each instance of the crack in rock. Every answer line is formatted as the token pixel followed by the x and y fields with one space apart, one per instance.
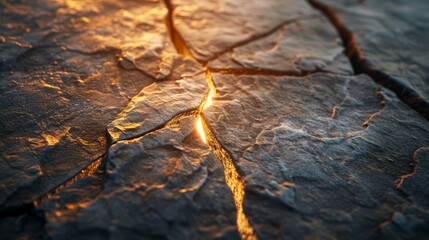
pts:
pixel 362 65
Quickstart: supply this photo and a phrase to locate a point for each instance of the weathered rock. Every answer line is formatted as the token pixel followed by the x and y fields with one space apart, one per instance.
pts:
pixel 135 29
pixel 316 156
pixel 161 101
pixel 393 37
pixel 321 154
pixel 55 111
pixel 165 184
pixel 210 28
pixel 61 85
pixel 300 47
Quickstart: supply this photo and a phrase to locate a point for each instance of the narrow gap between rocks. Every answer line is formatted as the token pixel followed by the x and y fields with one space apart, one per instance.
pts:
pixel 361 65
pixel 233 179
pixel 262 35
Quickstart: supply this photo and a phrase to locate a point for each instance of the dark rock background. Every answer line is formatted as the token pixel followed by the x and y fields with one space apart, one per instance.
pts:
pixel 221 119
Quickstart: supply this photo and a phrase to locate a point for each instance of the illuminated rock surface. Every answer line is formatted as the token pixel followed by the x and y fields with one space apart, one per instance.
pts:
pixel 167 181
pixel 100 102
pixel 320 157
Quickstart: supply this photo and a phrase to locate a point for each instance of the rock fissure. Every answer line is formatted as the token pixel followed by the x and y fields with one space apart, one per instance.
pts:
pixel 361 65
pixel 257 37
pixel 233 179
pixel 29 207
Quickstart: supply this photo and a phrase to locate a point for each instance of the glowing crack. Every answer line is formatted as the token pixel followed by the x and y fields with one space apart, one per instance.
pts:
pixel 233 179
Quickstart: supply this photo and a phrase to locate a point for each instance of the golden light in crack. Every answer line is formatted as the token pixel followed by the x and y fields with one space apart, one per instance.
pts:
pixel 207 103
pixel 234 182
pixel 200 129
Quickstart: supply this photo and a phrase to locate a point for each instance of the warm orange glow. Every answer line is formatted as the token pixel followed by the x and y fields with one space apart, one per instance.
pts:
pixel 207 103
pixel 209 100
pixel 200 129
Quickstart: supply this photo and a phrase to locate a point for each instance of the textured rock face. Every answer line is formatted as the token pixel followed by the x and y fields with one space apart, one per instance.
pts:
pixel 299 47
pixel 148 109
pixel 321 154
pixel 198 22
pixel 212 120
pixel 392 36
pixel 59 92
pixel 167 181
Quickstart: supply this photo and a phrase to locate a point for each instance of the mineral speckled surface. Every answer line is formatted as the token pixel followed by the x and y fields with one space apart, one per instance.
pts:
pixel 225 119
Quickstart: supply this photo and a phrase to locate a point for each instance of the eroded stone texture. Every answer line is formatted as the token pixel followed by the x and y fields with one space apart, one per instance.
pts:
pixel 166 185
pixel 210 28
pixel 393 36
pixel 161 101
pixel 300 47
pixel 321 155
pixel 61 84
pixel 135 29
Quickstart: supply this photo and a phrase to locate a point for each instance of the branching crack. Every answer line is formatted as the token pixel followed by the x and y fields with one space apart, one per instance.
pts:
pixel 262 35
pixel 233 179
pixel 361 65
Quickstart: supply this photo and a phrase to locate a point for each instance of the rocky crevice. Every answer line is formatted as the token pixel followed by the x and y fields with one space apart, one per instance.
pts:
pixel 362 66
pixel 233 179
pixel 257 37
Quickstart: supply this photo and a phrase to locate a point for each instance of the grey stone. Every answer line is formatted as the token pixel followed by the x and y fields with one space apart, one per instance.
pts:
pixel 214 27
pixel 61 85
pixel 300 47
pixel 393 37
pixel 320 155
pixel 166 184
pixel 161 101
pixel 99 107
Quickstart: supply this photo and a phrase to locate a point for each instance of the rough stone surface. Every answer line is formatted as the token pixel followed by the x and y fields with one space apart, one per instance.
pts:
pixel 314 171
pixel 167 181
pixel 159 102
pixel 198 22
pixel 392 36
pixel 300 47
pixel 222 119
pixel 61 85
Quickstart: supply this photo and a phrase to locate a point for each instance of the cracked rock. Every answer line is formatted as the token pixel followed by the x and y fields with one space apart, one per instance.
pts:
pixel 61 85
pixel 161 101
pixel 167 182
pixel 198 22
pixel 221 119
pixel 320 155
pixel 300 47
pixel 392 37
pixel 54 119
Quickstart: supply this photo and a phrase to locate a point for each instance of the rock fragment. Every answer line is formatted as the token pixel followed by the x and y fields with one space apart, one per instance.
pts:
pixel 315 170
pixel 166 184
